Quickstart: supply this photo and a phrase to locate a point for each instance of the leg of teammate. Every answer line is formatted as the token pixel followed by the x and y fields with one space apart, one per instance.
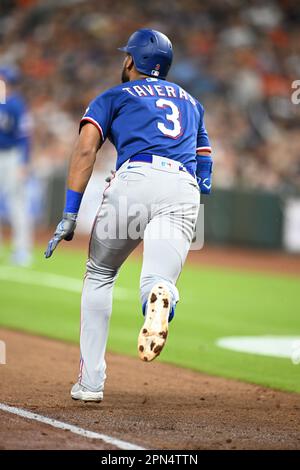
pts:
pixel 4 186
pixel 2 181
pixel 21 224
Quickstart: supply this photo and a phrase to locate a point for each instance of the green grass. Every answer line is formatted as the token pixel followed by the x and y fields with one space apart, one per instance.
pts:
pixel 214 303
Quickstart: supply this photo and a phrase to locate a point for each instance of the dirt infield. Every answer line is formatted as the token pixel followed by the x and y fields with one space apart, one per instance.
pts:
pixel 154 405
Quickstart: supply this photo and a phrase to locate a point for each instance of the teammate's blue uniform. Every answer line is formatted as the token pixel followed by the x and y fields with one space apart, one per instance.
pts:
pixel 150 116
pixel 14 156
pixel 14 131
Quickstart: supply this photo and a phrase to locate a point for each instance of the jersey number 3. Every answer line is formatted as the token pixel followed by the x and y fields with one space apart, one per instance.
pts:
pixel 173 117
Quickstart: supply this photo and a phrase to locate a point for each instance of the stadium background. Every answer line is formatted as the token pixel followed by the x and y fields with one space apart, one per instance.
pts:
pixel 239 58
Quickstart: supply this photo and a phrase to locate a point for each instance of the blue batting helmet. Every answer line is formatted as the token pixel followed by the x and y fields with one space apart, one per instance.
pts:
pixel 151 51
pixel 10 74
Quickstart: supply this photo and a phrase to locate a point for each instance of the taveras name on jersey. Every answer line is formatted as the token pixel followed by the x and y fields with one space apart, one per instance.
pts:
pixel 150 116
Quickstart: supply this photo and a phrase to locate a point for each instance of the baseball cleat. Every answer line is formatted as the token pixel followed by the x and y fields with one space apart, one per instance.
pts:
pixel 154 332
pixel 79 392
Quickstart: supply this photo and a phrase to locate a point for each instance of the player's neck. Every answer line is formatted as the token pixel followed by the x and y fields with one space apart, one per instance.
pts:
pixel 137 76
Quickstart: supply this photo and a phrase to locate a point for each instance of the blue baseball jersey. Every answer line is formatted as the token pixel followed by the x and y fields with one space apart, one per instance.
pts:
pixel 150 116
pixel 14 126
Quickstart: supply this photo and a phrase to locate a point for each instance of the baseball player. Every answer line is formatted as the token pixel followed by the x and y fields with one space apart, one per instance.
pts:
pixel 163 159
pixel 14 164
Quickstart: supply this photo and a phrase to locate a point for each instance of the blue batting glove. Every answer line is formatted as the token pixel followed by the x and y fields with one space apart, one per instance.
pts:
pixel 64 231
pixel 204 185
pixel 204 173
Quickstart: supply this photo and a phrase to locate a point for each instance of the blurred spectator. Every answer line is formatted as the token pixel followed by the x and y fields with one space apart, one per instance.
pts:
pixel 237 57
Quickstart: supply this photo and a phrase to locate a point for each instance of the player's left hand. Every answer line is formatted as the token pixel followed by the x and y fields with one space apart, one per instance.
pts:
pixel 204 184
pixel 204 173
pixel 64 231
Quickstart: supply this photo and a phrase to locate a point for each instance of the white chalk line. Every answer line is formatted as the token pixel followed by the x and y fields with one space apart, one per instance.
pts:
pixel 266 345
pixel 123 445
pixel 55 281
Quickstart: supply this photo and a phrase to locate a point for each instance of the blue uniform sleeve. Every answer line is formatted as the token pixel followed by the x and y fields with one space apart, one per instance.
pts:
pixel 203 143
pixel 100 113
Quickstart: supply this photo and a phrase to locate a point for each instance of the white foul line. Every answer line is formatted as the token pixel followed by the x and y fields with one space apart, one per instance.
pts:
pixel 56 281
pixel 123 445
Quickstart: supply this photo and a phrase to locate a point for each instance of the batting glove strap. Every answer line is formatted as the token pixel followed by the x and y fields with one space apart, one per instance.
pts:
pixel 70 216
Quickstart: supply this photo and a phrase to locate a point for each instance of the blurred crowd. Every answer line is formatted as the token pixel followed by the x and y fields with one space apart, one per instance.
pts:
pixel 238 57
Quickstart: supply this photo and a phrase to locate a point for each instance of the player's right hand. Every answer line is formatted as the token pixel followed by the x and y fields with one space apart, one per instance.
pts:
pixel 64 231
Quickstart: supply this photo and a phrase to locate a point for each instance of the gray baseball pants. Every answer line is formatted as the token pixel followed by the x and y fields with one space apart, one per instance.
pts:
pixel 15 192
pixel 141 202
